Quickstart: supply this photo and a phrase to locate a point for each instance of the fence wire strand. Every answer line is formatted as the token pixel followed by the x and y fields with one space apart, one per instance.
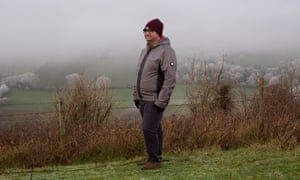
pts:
pixel 237 99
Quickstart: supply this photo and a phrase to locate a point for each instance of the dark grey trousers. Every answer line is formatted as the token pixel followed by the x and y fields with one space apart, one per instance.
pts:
pixel 152 130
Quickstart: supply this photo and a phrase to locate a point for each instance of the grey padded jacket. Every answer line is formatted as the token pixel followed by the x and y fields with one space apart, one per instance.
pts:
pixel 156 74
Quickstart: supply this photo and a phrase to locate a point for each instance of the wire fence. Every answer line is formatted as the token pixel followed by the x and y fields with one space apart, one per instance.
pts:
pixel 126 104
pixel 238 99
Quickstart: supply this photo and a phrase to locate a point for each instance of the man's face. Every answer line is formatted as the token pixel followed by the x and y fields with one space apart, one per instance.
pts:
pixel 150 35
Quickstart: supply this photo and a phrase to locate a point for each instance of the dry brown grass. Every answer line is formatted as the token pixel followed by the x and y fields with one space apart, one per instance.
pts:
pixel 41 145
pixel 89 134
pixel 85 103
pixel 92 134
pixel 281 116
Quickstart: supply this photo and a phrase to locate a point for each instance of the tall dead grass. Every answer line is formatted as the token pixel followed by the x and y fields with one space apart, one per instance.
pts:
pixel 218 120
pixel 92 134
pixel 89 132
pixel 281 116
pixel 85 103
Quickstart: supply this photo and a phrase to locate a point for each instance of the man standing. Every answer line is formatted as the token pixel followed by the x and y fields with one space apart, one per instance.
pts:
pixel 156 78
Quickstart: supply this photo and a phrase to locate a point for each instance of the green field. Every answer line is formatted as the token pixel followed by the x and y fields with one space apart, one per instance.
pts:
pixel 44 100
pixel 257 162
pixel 29 100
pixel 20 100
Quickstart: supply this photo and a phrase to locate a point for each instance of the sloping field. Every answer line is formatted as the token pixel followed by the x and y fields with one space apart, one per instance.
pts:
pixel 256 162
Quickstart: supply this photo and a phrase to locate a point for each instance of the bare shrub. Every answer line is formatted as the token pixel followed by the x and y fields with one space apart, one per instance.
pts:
pixel 280 116
pixel 224 98
pixel 85 103
pixel 92 134
pixel 30 146
pixel 211 104
pixel 40 145
pixel 83 111
pixel 215 123
pixel 207 94
pixel 216 129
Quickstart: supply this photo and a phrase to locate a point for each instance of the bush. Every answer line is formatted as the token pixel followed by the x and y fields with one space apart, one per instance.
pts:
pixel 85 103
pixel 280 116
pixel 92 134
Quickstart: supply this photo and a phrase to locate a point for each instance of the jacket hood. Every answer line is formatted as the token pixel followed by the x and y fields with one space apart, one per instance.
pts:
pixel 164 41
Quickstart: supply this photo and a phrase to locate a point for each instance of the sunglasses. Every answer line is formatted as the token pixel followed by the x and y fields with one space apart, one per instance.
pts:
pixel 148 30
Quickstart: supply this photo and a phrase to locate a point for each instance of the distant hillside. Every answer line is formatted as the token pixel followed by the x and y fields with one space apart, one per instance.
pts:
pixel 268 59
pixel 121 68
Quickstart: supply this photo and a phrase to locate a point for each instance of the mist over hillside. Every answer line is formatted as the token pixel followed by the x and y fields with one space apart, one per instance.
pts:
pixel 36 32
pixel 121 69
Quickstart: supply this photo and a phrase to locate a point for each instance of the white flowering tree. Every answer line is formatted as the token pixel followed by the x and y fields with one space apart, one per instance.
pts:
pixel 3 90
pixel 72 79
pixel 26 80
pixel 103 81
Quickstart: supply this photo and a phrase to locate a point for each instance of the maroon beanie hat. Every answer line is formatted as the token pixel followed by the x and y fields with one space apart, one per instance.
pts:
pixel 155 25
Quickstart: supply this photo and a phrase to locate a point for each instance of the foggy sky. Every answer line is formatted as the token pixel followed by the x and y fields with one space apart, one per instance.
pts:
pixel 54 28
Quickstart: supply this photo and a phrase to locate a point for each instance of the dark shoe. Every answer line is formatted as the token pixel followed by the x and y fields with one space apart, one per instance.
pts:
pixel 151 165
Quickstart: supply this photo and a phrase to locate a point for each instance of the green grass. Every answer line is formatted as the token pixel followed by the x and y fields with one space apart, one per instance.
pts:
pixel 44 100
pixel 122 100
pixel 260 162
pixel 29 100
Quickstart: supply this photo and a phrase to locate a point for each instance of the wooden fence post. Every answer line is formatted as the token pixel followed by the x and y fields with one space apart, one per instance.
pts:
pixel 261 104
pixel 61 121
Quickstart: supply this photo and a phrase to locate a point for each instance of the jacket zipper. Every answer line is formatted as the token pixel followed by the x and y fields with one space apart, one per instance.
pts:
pixel 140 74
